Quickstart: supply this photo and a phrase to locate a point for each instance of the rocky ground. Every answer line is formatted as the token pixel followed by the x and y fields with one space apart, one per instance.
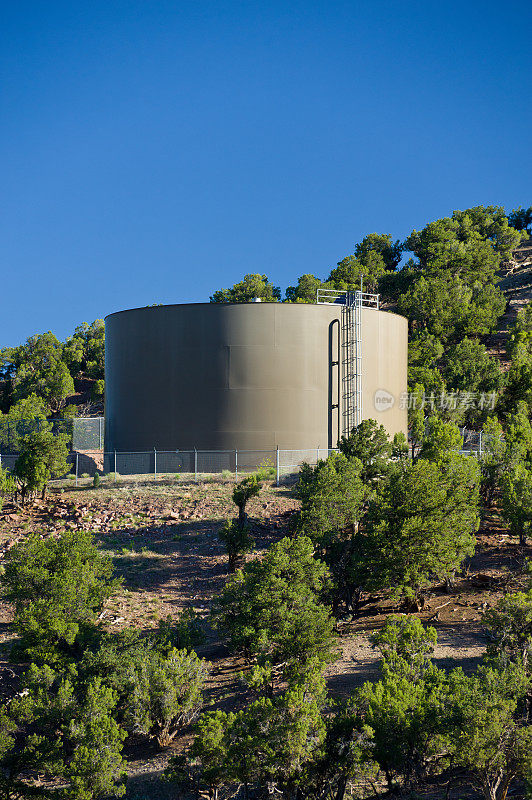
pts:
pixel 162 536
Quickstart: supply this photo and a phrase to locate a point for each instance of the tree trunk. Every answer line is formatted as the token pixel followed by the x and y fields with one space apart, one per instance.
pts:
pixel 449 584
pixel 342 786
pixel 505 786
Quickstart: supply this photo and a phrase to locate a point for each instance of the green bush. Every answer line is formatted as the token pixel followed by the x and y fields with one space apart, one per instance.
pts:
pixel 266 471
pixel 236 534
pixel 58 588
pixel 43 456
pixel 237 540
pixel 244 491
pixel 272 611
pixel 165 695
pixel 7 485
pixel 98 390
pixel 185 634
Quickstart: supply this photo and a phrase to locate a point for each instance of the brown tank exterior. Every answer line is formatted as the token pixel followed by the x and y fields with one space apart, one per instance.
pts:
pixel 246 376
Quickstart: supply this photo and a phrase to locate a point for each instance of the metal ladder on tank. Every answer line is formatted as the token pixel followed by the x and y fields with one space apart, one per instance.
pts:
pixel 350 355
pixel 351 362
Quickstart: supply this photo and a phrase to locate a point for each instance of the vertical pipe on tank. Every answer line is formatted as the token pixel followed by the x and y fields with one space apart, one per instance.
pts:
pixel 335 364
pixel 339 382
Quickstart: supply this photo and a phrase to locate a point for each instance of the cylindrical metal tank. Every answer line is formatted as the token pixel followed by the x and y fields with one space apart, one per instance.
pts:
pixel 246 375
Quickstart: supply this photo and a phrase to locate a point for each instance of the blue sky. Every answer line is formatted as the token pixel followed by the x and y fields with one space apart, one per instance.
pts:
pixel 157 151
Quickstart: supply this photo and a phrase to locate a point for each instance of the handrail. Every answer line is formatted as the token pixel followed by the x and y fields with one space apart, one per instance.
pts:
pixel 346 297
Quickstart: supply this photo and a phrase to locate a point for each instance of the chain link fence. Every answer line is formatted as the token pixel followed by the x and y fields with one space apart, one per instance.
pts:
pixel 88 455
pixel 194 463
pixel 88 433
pixel 84 433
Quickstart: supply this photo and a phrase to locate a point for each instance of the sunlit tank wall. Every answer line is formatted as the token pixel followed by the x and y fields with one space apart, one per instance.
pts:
pixel 246 376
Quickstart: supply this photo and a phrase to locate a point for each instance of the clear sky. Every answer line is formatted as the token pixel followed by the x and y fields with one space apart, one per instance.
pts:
pixel 154 151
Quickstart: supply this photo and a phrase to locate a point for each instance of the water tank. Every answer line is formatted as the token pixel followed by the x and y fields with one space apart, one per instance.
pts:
pixel 247 375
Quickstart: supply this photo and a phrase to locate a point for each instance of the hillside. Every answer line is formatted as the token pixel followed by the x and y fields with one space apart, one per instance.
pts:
pixel 516 283
pixel 162 536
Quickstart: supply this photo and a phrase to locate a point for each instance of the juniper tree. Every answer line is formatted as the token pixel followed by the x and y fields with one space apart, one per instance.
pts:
pixel 492 459
pixel 490 735
pixel 68 733
pixel 272 613
pixel 521 219
pixel 164 693
pixel 469 368
pixel 509 625
pixel 84 351
pixel 421 525
pixel 518 435
pixel 369 443
pixel 250 287
pixel 333 499
pixel 344 764
pixel 236 534
pixel 58 587
pixel 39 367
pixel 416 417
pixel 440 438
pixel 7 485
pixel 424 353
pixel 263 747
pixel 43 456
pixel 406 646
pixel 517 500
pixel 404 709
pixel 305 290
pixel 351 271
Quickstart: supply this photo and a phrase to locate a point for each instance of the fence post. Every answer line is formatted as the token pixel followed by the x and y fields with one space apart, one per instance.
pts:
pixel 155 463
pixel 115 466
pixel 236 465
pixel 317 455
pixel 195 465
pixel 480 443
pixel 277 466
pixel 77 456
pixel 100 434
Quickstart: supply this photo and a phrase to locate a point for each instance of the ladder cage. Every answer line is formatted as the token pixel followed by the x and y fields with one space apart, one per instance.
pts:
pixel 351 349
